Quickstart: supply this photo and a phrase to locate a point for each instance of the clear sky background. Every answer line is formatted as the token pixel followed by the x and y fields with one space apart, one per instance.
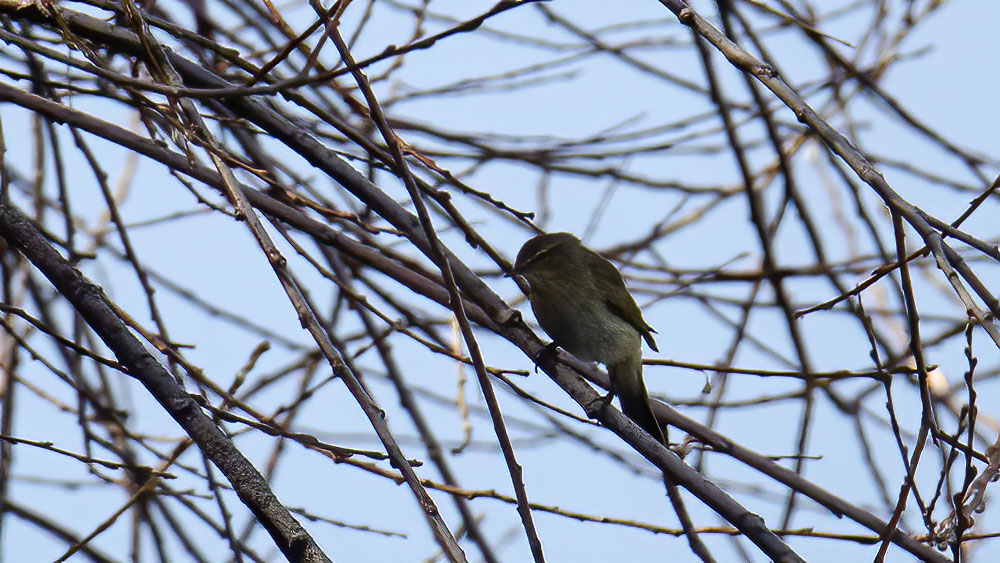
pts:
pixel 949 81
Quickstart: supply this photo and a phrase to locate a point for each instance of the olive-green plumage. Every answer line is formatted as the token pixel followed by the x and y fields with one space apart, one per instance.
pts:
pixel 582 303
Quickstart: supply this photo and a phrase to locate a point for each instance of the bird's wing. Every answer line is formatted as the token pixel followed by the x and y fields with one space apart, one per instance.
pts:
pixel 621 303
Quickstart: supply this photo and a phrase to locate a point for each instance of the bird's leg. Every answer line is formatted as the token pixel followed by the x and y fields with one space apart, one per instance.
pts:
pixel 606 399
pixel 546 352
pixel 596 407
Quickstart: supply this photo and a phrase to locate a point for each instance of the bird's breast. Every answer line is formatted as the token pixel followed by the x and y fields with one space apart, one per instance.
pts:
pixel 584 325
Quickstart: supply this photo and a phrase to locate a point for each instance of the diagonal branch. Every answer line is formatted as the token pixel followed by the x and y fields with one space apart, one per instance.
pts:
pixel 90 302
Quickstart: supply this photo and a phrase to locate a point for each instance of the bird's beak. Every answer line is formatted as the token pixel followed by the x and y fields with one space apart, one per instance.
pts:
pixel 513 272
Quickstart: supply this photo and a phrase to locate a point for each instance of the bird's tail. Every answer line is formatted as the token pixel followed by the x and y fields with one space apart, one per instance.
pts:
pixel 631 390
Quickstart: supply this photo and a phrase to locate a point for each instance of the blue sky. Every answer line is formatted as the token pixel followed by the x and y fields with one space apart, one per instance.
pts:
pixel 949 82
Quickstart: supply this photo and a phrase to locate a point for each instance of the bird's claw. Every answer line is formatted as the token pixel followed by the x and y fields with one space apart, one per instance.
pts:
pixel 606 399
pixel 547 351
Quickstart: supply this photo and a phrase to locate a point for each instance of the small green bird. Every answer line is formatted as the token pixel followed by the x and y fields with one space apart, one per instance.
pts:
pixel 581 301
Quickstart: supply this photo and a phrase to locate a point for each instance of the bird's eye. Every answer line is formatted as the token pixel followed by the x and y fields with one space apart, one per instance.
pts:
pixel 540 254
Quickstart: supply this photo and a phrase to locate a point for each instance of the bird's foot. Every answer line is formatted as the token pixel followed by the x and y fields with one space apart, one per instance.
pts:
pixel 513 318
pixel 606 399
pixel 546 353
pixel 596 407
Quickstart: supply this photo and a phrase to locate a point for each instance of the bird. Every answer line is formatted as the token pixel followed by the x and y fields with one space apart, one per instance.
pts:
pixel 581 301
